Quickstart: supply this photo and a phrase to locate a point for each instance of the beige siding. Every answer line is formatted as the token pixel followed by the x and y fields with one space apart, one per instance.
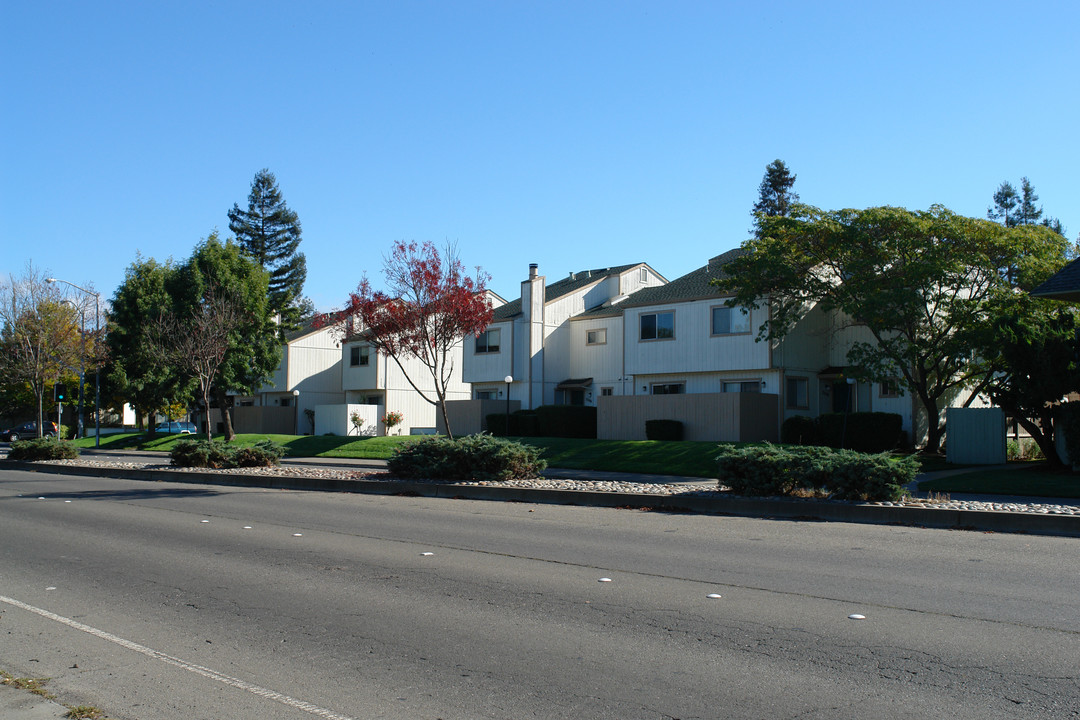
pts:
pixel 721 417
pixel 602 363
pixel 694 348
pixel 468 417
pixel 488 367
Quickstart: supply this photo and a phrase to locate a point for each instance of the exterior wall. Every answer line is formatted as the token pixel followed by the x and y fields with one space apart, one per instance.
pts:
pixel 694 348
pixel 384 379
pixel 490 367
pixel 603 363
pixel 468 417
pixel 334 420
pixel 720 417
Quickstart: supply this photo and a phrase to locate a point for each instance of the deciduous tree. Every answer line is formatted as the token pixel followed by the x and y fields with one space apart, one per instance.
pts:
pixel 429 306
pixel 921 282
pixel 39 335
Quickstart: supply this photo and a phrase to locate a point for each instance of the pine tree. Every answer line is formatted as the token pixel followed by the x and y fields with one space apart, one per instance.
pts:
pixel 775 196
pixel 269 232
pixel 1028 213
pixel 1004 208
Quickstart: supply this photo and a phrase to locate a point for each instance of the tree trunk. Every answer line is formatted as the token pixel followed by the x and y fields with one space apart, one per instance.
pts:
pixel 446 420
pixel 226 414
pixel 933 426
pixel 1043 438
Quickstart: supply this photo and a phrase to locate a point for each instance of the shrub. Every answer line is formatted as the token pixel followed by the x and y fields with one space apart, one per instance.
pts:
pixel 663 430
pixel 474 457
pixel 571 421
pixel 800 430
pixel 265 453
pixel 200 453
pixel 870 432
pixel 216 454
pixel 43 449
pixel 841 474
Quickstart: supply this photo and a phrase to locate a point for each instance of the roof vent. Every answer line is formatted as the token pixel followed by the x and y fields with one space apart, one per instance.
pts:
pixel 533 267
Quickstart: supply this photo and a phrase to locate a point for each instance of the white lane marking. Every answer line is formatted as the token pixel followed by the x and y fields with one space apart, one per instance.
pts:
pixel 182 664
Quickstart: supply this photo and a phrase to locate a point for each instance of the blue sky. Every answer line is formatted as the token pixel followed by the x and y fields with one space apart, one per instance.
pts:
pixel 574 135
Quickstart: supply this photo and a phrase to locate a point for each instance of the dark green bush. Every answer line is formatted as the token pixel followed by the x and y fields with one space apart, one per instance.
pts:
pixel 570 421
pixel 522 424
pixel 474 457
pixel 265 453
pixel 216 454
pixel 800 430
pixel 870 432
pixel 840 474
pixel 42 449
pixel 663 430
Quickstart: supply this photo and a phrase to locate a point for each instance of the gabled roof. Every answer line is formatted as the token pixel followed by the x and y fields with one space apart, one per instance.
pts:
pixel 556 290
pixel 692 286
pixel 1062 285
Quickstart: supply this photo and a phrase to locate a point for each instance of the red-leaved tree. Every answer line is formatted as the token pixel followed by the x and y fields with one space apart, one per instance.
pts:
pixel 429 306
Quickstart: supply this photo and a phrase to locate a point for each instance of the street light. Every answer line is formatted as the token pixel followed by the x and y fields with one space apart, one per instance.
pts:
pixel 508 379
pixel 296 402
pixel 97 367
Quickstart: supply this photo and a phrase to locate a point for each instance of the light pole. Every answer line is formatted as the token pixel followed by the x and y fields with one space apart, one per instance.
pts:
pixel 296 402
pixel 80 431
pixel 97 368
pixel 508 379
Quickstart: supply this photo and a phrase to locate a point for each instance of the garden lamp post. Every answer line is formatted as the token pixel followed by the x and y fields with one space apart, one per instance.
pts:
pixel 296 402
pixel 508 379
pixel 97 368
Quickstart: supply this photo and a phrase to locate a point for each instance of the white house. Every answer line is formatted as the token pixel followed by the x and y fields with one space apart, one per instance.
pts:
pixel 531 339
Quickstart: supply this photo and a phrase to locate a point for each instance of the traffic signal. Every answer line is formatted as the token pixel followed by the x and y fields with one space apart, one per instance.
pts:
pixel 60 392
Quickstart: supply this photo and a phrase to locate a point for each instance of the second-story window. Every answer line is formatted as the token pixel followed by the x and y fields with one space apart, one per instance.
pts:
pixel 487 342
pixel 658 326
pixel 730 321
pixel 596 337
pixel 359 355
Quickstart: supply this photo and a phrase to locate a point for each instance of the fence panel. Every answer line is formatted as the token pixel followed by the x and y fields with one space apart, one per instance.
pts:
pixel 975 436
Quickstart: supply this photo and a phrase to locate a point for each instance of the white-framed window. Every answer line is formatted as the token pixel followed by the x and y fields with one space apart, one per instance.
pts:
pixel 730 321
pixel 746 386
pixel 668 388
pixel 644 275
pixel 596 337
pixel 486 394
pixel 607 392
pixel 488 341
pixel 889 388
pixel 359 355
pixel 657 326
pixel 797 393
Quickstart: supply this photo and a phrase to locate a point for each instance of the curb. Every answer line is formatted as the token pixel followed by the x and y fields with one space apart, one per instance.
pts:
pixel 768 508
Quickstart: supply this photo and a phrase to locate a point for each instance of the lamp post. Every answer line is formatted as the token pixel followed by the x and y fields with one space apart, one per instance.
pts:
pixel 296 402
pixel 508 379
pixel 80 428
pixel 97 368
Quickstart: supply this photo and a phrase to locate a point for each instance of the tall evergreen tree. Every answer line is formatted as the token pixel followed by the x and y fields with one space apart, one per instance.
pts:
pixel 775 196
pixel 1004 208
pixel 1028 213
pixel 269 232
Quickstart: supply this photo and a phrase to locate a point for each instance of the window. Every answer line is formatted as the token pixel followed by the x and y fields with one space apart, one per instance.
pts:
pixel 487 342
pixel 746 386
pixel 668 388
pixel 658 326
pixel 644 275
pixel 607 392
pixel 889 388
pixel 486 394
pixel 596 337
pixel 359 355
pixel 797 395
pixel 730 321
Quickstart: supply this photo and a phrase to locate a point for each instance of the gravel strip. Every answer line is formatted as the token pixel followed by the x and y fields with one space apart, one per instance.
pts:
pixel 707 488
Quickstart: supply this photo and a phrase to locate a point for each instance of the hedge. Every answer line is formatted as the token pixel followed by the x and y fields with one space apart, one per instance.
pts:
pixel 42 449
pixel 570 421
pixel 763 470
pixel 216 454
pixel 663 430
pixel 871 432
pixel 522 424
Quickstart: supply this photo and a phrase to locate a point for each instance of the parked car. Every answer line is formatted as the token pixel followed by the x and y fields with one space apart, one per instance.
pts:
pixel 28 430
pixel 183 428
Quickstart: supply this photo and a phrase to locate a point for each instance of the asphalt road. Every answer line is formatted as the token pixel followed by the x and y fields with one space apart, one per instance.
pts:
pixel 161 600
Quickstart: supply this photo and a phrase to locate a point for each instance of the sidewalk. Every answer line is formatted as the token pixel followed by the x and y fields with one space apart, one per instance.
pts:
pixel 16 704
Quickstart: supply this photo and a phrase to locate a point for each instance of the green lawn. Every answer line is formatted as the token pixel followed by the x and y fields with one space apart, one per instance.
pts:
pixel 695 459
pixel 1035 480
